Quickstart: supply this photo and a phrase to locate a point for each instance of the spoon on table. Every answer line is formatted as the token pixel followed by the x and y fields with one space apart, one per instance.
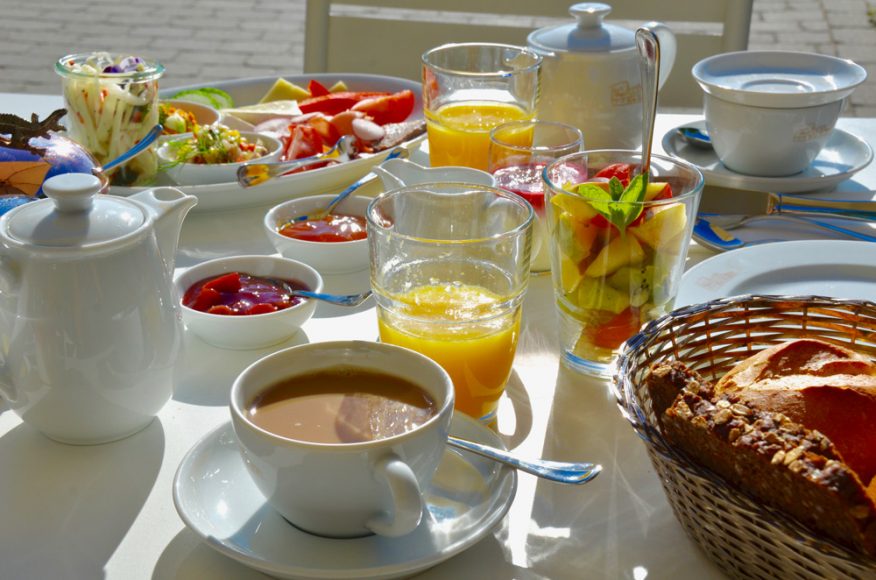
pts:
pixel 559 471
pixel 397 153
pixel 251 174
pixel 717 237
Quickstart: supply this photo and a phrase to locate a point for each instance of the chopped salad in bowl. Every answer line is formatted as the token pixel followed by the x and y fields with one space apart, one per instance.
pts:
pixel 212 153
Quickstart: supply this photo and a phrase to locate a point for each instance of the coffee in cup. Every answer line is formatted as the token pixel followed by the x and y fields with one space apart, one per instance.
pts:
pixel 343 437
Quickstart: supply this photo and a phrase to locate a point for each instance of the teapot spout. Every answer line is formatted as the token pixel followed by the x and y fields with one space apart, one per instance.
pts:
pixel 169 207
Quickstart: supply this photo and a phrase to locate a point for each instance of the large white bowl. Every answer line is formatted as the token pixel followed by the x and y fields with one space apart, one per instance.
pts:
pixel 769 113
pixel 254 330
pixel 205 173
pixel 327 257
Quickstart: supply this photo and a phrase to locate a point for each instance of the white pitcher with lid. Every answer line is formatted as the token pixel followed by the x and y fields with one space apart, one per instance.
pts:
pixel 590 76
pixel 90 324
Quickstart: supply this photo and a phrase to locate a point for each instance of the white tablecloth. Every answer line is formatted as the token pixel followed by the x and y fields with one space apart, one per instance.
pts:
pixel 106 511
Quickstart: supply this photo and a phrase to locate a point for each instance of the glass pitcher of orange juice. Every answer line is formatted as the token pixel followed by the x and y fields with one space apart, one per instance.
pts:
pixel 470 88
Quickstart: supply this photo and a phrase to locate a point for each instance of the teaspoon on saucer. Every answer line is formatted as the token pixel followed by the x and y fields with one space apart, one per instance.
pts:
pixel 695 136
pixel 559 471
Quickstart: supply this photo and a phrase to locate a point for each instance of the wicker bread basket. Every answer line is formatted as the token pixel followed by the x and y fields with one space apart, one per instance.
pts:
pixel 745 538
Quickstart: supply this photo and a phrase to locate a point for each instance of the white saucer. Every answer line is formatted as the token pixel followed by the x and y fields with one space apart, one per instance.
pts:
pixel 835 268
pixel 216 498
pixel 843 155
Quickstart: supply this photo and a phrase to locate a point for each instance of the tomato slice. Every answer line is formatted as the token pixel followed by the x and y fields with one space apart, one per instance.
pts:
pixel 623 171
pixel 316 88
pixel 334 103
pixel 303 141
pixel 612 334
pixel 203 300
pixel 261 308
pixel 326 129
pixel 393 108
pixel 227 283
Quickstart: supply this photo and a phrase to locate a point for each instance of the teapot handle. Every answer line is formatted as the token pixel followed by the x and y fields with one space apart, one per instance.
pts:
pixel 668 48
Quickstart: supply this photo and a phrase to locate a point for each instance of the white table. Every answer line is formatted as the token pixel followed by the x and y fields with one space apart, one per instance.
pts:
pixel 107 511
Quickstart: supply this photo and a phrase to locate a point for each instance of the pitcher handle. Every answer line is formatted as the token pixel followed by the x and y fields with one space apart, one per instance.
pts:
pixel 668 49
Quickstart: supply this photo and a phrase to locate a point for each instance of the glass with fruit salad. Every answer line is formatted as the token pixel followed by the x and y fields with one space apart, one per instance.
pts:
pixel 619 240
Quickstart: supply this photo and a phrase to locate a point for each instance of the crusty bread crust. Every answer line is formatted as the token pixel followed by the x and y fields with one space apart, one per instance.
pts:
pixel 823 386
pixel 766 454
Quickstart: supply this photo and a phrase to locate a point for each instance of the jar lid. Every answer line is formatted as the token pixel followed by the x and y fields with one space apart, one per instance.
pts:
pixel 588 34
pixel 73 216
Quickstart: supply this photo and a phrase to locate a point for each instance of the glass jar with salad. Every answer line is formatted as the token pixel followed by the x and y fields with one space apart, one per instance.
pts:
pixel 112 102
pixel 619 240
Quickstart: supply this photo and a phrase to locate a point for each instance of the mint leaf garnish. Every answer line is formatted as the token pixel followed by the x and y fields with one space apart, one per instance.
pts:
pixel 619 205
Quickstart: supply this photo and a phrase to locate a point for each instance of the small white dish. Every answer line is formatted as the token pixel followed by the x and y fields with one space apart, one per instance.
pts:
pixel 843 155
pixel 327 257
pixel 216 498
pixel 251 331
pixel 209 173
pixel 835 268
pixel 395 173
pixel 203 114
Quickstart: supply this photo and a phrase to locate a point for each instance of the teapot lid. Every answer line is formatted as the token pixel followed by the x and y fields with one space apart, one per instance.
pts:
pixel 588 34
pixel 74 216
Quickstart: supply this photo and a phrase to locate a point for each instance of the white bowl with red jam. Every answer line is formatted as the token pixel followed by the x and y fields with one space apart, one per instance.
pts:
pixel 244 302
pixel 333 244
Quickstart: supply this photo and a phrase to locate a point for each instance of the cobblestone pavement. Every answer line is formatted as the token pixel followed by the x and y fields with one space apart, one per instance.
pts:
pixel 207 40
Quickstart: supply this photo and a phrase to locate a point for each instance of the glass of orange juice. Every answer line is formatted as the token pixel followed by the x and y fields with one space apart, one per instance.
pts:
pixel 449 268
pixel 470 88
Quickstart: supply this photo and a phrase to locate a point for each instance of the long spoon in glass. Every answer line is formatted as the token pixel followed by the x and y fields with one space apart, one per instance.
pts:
pixel 649 51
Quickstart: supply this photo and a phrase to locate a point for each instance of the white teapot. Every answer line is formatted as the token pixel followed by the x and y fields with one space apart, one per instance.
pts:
pixel 590 76
pixel 90 323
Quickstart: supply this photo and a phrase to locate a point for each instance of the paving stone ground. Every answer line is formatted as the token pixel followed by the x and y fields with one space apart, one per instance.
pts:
pixel 208 40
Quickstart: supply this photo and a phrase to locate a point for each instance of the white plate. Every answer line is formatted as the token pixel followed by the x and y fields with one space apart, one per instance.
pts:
pixel 216 498
pixel 324 180
pixel 843 155
pixel 835 268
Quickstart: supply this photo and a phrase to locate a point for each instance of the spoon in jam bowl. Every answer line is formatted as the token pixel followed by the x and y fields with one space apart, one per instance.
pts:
pixel 398 152
pixel 338 299
pixel 252 174
pixel 558 471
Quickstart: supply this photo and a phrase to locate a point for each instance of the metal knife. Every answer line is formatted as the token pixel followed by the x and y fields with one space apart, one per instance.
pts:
pixel 749 202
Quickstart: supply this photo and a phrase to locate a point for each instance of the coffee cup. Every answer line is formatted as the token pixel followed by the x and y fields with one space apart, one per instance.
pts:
pixel 332 469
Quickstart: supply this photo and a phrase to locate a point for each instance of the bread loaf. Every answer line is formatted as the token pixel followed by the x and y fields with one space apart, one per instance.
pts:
pixel 822 386
pixel 764 452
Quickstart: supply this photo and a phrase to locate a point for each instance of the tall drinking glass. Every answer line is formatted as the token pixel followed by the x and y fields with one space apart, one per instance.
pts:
pixel 616 264
pixel 470 88
pixel 449 268
pixel 519 152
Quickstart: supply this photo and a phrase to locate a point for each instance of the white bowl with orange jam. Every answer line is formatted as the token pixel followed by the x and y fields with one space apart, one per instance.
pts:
pixel 333 245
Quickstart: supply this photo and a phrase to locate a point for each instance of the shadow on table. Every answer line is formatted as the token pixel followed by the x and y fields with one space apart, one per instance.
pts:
pixel 72 505
pixel 187 557
pixel 618 525
pixel 205 373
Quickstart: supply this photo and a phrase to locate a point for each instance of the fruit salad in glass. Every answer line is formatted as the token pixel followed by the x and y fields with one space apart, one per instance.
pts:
pixel 619 240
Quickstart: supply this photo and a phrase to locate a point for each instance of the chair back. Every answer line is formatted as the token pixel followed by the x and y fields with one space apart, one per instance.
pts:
pixel 388 36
